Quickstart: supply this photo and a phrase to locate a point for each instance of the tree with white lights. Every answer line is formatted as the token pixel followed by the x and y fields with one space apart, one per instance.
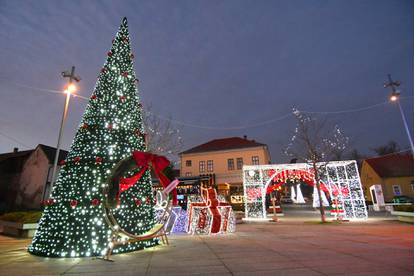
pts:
pixel 316 143
pixel 73 223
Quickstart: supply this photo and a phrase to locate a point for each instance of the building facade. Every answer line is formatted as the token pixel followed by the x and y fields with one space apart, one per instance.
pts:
pixel 395 174
pixel 224 158
pixel 25 177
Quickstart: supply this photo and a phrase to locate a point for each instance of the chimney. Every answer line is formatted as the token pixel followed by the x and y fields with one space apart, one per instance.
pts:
pixel 15 150
pixel 245 137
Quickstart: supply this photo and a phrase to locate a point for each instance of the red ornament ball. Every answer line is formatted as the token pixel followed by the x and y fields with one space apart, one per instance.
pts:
pixel 103 70
pixel 122 98
pixel 73 203
pixel 93 97
pixel 62 162
pixel 125 74
pixel 84 126
pixel 109 54
pixel 95 202
pixel 126 39
pixel 109 126
pixel 48 202
pixel 98 160
pixel 138 202
pixel 76 159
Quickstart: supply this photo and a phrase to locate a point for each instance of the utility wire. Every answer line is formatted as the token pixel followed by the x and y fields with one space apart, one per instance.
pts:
pixel 270 121
pixel 14 139
pixel 223 128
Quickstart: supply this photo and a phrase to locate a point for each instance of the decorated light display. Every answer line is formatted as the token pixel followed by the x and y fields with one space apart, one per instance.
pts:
pixel 210 214
pixel 339 179
pixel 111 128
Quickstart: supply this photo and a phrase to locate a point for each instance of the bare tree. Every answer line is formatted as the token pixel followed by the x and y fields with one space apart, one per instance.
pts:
pixel 316 143
pixel 390 147
pixel 357 156
pixel 163 137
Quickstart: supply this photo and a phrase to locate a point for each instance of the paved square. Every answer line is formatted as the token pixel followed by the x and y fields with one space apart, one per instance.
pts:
pixel 285 248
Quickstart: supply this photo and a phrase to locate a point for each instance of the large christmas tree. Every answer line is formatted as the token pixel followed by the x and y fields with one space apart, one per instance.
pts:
pixel 73 223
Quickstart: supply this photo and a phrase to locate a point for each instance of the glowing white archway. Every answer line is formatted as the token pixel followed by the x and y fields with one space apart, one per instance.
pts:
pixel 340 177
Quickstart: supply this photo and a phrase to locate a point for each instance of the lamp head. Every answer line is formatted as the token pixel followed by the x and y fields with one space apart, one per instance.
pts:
pixel 395 95
pixel 71 88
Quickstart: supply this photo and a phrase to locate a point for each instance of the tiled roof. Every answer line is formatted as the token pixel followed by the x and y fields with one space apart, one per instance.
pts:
pixel 224 144
pixel 395 165
pixel 51 152
pixel 5 156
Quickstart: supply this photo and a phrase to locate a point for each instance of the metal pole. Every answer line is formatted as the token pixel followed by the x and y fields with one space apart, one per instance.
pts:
pixel 406 127
pixel 62 125
pixel 395 96
pixel 71 75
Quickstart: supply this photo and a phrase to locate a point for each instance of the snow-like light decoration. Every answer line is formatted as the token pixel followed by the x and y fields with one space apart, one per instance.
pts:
pixel 177 221
pixel 339 179
pixel 111 128
pixel 180 224
pixel 210 214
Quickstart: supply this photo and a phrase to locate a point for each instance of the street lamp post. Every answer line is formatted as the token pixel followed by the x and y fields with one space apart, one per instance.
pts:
pixel 71 88
pixel 395 97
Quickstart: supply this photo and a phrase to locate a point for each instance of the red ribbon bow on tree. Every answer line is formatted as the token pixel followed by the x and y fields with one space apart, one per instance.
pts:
pixel 145 160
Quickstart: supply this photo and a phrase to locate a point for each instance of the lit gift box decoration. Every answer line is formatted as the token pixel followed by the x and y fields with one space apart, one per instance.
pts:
pixel 210 214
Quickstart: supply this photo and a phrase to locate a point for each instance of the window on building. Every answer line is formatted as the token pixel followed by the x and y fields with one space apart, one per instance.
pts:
pixel 210 165
pixel 239 163
pixel 202 166
pixel 255 160
pixel 187 174
pixel 396 189
pixel 188 163
pixel 230 164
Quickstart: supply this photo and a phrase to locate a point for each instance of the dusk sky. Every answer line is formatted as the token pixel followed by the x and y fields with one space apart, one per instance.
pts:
pixel 214 65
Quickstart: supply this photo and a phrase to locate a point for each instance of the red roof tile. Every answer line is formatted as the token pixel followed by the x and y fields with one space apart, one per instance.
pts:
pixel 224 144
pixel 395 165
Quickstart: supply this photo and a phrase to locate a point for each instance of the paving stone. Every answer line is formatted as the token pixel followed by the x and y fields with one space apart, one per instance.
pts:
pixel 285 248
